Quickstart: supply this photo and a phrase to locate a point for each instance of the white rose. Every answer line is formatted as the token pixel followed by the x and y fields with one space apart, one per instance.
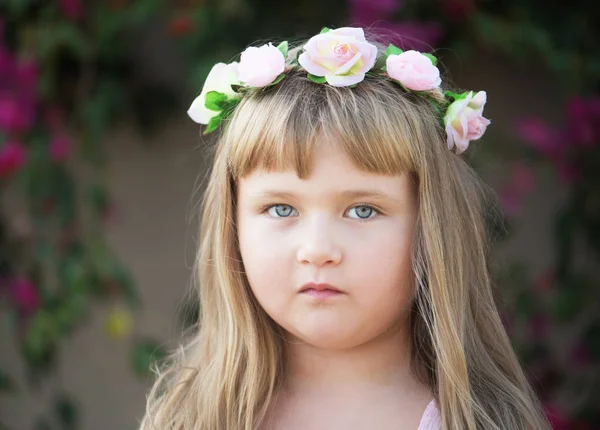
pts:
pixel 221 77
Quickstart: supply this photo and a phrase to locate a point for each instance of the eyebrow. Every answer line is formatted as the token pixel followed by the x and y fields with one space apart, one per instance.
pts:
pixel 349 194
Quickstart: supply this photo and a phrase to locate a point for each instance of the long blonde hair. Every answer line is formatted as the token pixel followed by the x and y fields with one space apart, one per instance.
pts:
pixel 227 375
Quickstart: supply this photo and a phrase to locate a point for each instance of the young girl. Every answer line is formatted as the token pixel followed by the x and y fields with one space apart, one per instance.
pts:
pixel 343 275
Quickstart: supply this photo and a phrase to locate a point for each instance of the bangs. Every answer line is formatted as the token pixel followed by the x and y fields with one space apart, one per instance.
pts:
pixel 277 128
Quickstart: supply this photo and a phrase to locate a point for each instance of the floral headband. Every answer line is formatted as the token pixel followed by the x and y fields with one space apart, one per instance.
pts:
pixel 341 58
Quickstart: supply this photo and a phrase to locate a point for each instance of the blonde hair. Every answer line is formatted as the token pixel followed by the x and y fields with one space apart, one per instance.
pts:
pixel 228 374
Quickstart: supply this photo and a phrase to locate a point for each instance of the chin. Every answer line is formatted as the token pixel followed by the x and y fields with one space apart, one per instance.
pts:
pixel 330 337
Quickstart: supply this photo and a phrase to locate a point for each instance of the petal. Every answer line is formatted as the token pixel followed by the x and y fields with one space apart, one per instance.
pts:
pixel 450 135
pixel 198 112
pixel 479 100
pixel 345 80
pixel 310 66
pixel 349 64
pixel 370 54
pixel 355 32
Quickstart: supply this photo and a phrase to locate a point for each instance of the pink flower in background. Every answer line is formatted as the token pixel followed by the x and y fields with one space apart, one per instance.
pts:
pixel 54 118
pixel 18 82
pixel 373 10
pixel 60 148
pixel 413 70
pixel 584 121
pixel 72 9
pixel 26 74
pixel 538 326
pixel 556 417
pixel 521 184
pixel 580 355
pixel 421 36
pixel 545 282
pixel 12 157
pixel 458 10
pixel 16 115
pixel 549 141
pixel 25 295
pixel 6 63
pixel 375 15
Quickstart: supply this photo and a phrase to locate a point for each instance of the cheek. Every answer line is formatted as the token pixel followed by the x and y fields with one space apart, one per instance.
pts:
pixel 382 270
pixel 266 257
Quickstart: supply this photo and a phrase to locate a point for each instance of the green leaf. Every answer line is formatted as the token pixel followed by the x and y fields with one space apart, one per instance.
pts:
pixel 566 227
pixel 393 50
pixel 277 80
pixel 144 354
pixel 50 39
pixel 141 12
pixel 592 341
pixel 456 96
pixel 17 8
pixel 432 58
pixel 214 100
pixel 42 424
pixel 525 303
pixel 229 106
pixel 213 124
pixel 6 382
pixel 283 47
pixel 317 79
pixel 127 285
pixel 571 299
pixel 380 62
pixel 298 54
pixel 67 413
pixel 325 30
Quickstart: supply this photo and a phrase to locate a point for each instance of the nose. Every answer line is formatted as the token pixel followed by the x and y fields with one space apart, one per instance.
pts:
pixel 317 245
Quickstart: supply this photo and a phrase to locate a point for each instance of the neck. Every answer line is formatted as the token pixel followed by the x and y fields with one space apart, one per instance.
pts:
pixel 381 363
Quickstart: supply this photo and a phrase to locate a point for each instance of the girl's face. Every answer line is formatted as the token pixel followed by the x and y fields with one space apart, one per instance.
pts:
pixel 343 227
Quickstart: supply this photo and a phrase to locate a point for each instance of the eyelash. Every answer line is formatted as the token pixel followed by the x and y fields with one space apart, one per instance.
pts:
pixel 378 213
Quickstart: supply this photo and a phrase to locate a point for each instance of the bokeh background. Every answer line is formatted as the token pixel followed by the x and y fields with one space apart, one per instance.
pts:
pixel 101 173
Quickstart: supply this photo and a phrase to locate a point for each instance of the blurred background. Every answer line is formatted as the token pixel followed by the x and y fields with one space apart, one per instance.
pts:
pixel 101 172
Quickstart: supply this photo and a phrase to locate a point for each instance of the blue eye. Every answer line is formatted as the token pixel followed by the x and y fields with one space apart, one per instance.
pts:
pixel 281 211
pixel 364 212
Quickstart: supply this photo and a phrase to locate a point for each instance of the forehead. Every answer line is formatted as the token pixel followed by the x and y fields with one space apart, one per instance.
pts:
pixel 332 174
pixel 279 128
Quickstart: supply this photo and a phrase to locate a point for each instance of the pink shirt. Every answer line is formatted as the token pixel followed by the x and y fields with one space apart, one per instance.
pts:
pixel 431 419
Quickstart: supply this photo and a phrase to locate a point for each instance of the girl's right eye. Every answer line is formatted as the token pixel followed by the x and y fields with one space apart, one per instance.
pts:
pixel 280 211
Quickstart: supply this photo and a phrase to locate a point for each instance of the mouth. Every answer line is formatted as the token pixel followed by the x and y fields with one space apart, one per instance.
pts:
pixel 320 291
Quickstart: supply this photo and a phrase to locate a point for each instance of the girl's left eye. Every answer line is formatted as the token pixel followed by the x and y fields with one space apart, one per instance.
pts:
pixel 364 212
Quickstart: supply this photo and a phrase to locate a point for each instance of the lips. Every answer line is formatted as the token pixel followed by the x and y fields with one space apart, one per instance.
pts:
pixel 319 288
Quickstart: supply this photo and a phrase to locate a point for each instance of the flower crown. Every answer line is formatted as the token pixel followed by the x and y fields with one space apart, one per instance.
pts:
pixel 341 58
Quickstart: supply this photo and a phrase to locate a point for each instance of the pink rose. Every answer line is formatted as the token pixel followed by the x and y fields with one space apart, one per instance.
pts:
pixel 12 156
pixel 25 295
pixel 464 120
pixel 342 56
pixel 60 148
pixel 260 66
pixel 413 70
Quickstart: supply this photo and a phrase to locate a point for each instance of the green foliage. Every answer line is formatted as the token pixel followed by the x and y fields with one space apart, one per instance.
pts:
pixel 317 79
pixel 393 50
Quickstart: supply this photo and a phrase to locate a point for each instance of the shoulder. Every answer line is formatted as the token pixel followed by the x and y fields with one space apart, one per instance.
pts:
pixel 431 419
